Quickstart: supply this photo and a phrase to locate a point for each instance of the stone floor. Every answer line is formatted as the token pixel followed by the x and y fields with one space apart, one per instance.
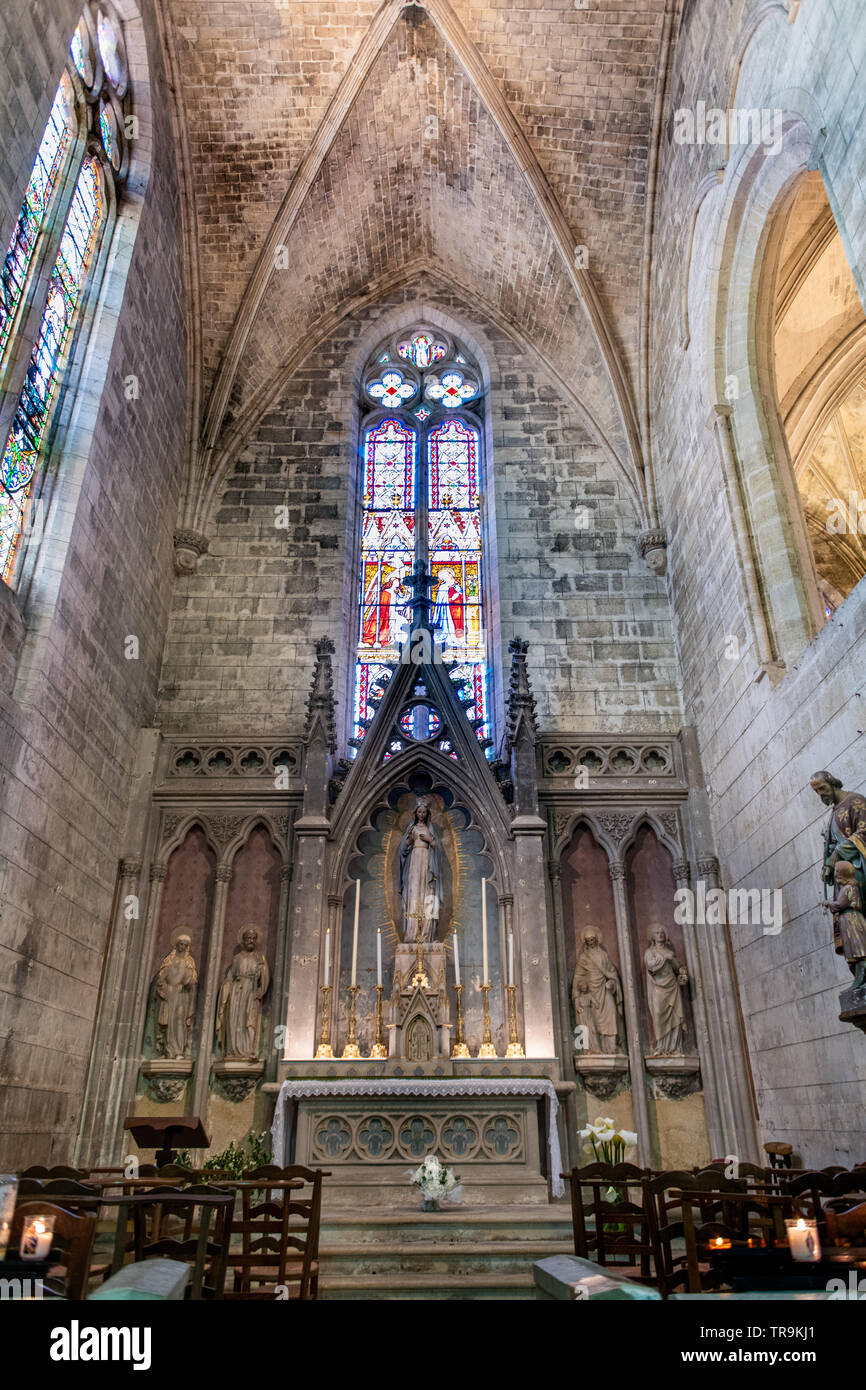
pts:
pixel 478 1253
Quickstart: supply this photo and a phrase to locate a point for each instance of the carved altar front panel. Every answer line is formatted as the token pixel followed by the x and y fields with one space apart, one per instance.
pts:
pixel 371 1144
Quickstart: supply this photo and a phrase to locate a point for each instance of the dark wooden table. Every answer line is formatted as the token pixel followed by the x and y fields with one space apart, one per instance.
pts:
pixel 774 1268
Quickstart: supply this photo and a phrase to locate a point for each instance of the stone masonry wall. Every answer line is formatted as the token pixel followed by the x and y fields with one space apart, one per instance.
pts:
pixel 66 756
pixel 240 645
pixel 760 744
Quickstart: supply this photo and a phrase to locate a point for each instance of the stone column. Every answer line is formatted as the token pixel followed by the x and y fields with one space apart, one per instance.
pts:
pixel 110 1064
pixel 281 983
pixel 735 1128
pixel 632 1017
pixel 208 995
pixel 720 419
pixel 731 1112
pixel 566 1031
pixel 306 932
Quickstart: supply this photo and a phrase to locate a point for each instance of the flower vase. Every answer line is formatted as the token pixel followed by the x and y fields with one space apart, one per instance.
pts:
pixel 430 1204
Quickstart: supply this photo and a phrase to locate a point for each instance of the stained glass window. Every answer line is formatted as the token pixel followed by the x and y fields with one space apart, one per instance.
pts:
pixel 422 349
pixel 409 455
pixel 31 218
pixel 31 416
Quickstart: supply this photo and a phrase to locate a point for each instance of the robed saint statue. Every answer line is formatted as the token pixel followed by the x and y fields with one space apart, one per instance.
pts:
pixel 420 876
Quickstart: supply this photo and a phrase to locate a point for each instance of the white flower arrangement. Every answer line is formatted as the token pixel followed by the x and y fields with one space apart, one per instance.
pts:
pixel 607 1142
pixel 434 1181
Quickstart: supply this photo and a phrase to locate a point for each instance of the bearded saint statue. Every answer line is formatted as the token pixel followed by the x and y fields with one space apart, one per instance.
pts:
pixel 420 877
pixel 596 993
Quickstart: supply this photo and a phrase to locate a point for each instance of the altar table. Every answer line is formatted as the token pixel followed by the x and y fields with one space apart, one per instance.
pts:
pixel 500 1134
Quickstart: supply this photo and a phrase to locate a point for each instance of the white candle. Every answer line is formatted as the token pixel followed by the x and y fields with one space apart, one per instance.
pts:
pixel 484 929
pixel 328 956
pixel 803 1240
pixel 456 962
pixel 510 958
pixel 35 1239
pixel 378 955
pixel 355 932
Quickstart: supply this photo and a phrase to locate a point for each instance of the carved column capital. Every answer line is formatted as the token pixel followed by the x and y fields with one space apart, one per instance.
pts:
pixel 189 546
pixel 224 873
pixel 682 873
pixel 653 549
pixel 158 873
pixel 617 872
pixel 708 867
pixel 554 871
pixel 130 868
pixel 286 873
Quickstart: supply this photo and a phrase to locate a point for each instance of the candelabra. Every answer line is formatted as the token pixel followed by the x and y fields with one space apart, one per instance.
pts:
pixel 323 1051
pixel 515 1047
pixel 352 1051
pixel 379 1050
pixel 486 1049
pixel 459 1049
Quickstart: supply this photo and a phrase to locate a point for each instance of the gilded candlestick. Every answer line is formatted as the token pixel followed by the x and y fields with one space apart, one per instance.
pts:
pixel 486 1049
pixel 459 1049
pixel 379 1049
pixel 352 1051
pixel 515 1047
pixel 323 1051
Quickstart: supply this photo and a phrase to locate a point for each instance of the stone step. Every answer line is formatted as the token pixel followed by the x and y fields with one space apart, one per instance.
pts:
pixel 446 1260
pixel 457 1227
pixel 427 1287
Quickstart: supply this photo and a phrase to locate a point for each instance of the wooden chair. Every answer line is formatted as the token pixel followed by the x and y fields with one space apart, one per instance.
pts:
pixel 845 1226
pixel 619 1236
pixel 70 1246
pixel 279 1233
pixel 752 1219
pixel 58 1171
pixel 189 1224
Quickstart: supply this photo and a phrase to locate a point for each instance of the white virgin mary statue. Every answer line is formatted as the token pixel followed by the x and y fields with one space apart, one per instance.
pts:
pixel 420 879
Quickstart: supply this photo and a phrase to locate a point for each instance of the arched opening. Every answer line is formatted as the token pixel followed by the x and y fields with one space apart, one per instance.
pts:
pixel 819 354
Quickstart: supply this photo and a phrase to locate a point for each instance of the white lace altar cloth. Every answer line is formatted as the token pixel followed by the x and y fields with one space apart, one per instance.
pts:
pixel 281 1129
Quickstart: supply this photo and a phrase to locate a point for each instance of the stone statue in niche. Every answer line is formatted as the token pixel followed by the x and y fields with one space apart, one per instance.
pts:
pixel 665 979
pixel 239 1010
pixel 849 924
pixel 176 987
pixel 596 992
pixel 420 876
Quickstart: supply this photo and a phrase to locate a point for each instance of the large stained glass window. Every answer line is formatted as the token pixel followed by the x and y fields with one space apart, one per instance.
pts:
pixel 421 503
pixel 31 218
pixel 92 101
pixel 31 416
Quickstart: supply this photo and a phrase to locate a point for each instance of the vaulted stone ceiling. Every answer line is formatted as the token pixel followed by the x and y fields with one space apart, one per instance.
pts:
pixel 335 148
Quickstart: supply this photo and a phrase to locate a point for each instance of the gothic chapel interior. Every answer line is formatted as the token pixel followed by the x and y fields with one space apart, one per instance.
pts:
pixel 432 522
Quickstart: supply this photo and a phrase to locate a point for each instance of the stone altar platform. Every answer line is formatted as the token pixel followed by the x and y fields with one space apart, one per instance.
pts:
pixel 499 1133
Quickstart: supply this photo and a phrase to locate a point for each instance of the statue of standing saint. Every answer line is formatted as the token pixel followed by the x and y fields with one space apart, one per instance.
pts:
pixel 596 993
pixel 176 984
pixel 845 835
pixel 239 1011
pixel 665 979
pixel 420 877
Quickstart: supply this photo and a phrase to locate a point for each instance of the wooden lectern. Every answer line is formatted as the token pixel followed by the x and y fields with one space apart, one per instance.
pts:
pixel 172 1131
